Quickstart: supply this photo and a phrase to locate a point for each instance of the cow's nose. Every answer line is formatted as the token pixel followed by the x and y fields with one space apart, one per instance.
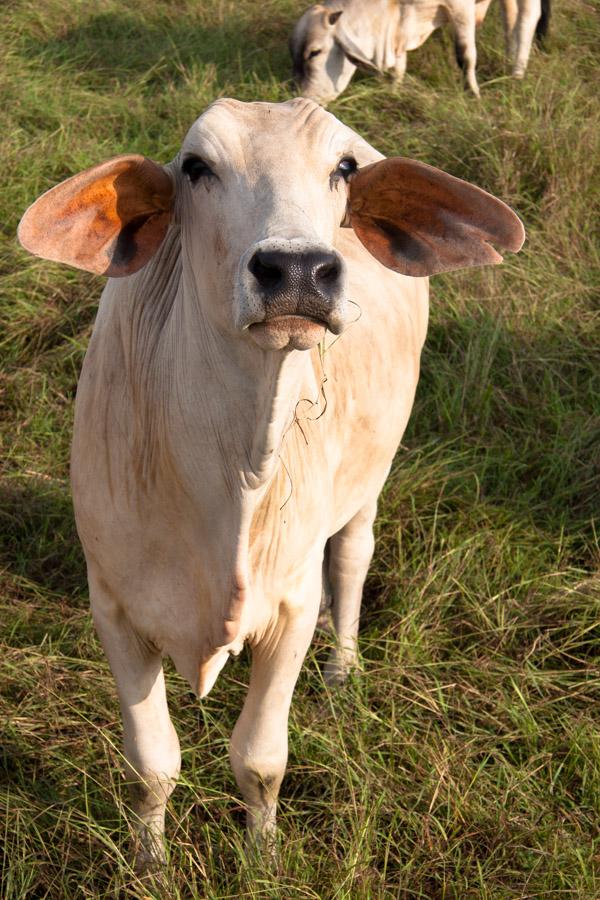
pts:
pixel 281 271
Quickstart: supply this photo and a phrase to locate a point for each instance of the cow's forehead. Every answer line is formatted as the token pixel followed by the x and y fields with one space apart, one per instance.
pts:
pixel 309 25
pixel 296 126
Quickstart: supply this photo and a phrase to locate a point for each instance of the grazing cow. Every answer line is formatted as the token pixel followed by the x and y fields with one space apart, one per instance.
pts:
pixel 222 440
pixel 332 38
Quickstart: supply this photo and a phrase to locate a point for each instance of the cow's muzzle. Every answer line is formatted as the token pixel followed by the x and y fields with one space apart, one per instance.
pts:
pixel 292 292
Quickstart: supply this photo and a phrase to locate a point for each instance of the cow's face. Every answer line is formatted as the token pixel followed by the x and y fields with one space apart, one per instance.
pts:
pixel 259 191
pixel 262 193
pixel 321 68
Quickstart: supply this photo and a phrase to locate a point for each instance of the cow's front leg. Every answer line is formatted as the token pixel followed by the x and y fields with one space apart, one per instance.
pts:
pixel 399 70
pixel 152 757
pixel 350 552
pixel 259 743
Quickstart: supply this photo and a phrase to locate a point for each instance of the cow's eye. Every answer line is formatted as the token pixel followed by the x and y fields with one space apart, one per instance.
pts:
pixel 347 166
pixel 195 168
pixel 314 53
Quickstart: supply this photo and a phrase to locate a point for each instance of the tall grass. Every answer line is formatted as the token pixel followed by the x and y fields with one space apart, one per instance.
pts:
pixel 465 761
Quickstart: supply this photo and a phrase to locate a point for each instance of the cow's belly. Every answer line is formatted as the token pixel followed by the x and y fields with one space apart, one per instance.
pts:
pixel 418 22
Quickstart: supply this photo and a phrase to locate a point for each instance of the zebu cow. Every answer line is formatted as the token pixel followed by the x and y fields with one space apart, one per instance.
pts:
pixel 332 38
pixel 217 450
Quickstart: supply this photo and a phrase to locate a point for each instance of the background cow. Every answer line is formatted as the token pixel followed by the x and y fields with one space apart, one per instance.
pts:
pixel 331 39
pixel 208 471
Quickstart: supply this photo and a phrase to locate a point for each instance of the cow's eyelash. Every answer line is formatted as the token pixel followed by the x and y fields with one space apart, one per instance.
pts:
pixel 195 168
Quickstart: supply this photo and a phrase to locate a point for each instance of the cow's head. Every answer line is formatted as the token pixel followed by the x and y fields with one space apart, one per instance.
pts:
pixel 259 192
pixel 321 66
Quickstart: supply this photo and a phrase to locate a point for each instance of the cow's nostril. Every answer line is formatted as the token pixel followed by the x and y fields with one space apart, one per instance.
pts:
pixel 327 273
pixel 268 274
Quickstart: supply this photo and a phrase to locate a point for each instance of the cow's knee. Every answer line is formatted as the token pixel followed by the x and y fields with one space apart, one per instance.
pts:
pixel 259 778
pixel 152 765
pixel 150 743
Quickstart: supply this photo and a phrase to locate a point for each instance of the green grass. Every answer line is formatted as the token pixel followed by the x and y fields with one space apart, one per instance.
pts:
pixel 465 761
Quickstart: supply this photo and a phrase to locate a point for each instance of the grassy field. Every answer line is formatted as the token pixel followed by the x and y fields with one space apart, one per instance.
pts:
pixel 465 761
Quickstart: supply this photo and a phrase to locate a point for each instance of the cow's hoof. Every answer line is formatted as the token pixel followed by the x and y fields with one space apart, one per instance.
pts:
pixel 144 864
pixel 262 849
pixel 149 857
pixel 325 622
pixel 339 666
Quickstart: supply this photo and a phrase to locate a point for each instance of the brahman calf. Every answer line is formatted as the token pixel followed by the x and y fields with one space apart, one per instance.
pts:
pixel 332 38
pixel 222 439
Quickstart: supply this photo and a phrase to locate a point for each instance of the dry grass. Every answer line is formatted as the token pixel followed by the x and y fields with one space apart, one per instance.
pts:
pixel 465 761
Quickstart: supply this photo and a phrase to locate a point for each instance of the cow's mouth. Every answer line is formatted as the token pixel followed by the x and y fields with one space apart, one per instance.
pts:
pixel 291 332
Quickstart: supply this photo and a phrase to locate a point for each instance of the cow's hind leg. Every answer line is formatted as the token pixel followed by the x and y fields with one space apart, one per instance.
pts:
pixel 463 21
pixel 529 14
pixel 350 552
pixel 151 746
pixel 510 14
pixel 481 8
pixel 259 743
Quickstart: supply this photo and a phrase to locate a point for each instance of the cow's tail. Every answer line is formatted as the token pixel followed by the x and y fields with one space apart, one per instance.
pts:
pixel 541 29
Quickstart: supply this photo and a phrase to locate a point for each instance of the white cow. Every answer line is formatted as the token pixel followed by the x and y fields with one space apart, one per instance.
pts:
pixel 221 438
pixel 332 38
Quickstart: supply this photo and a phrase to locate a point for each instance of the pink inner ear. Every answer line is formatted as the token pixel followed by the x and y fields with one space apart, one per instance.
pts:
pixel 420 221
pixel 109 220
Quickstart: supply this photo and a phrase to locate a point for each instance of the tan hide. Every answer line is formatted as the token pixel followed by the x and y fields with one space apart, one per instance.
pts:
pixel 108 220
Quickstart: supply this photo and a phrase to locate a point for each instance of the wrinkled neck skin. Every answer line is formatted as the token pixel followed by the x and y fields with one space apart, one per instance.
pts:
pixel 240 398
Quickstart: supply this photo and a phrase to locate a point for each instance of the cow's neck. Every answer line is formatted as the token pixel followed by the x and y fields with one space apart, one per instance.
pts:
pixel 272 403
pixel 205 399
pixel 240 402
pixel 379 40
pixel 237 450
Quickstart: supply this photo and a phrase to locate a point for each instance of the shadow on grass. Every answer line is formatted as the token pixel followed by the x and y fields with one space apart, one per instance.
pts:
pixel 38 539
pixel 520 411
pixel 113 48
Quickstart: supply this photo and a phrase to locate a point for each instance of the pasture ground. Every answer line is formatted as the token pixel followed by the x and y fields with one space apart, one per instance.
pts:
pixel 465 761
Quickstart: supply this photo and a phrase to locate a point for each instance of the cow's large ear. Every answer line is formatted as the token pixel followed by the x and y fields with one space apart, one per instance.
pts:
pixel 110 219
pixel 352 49
pixel 419 220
